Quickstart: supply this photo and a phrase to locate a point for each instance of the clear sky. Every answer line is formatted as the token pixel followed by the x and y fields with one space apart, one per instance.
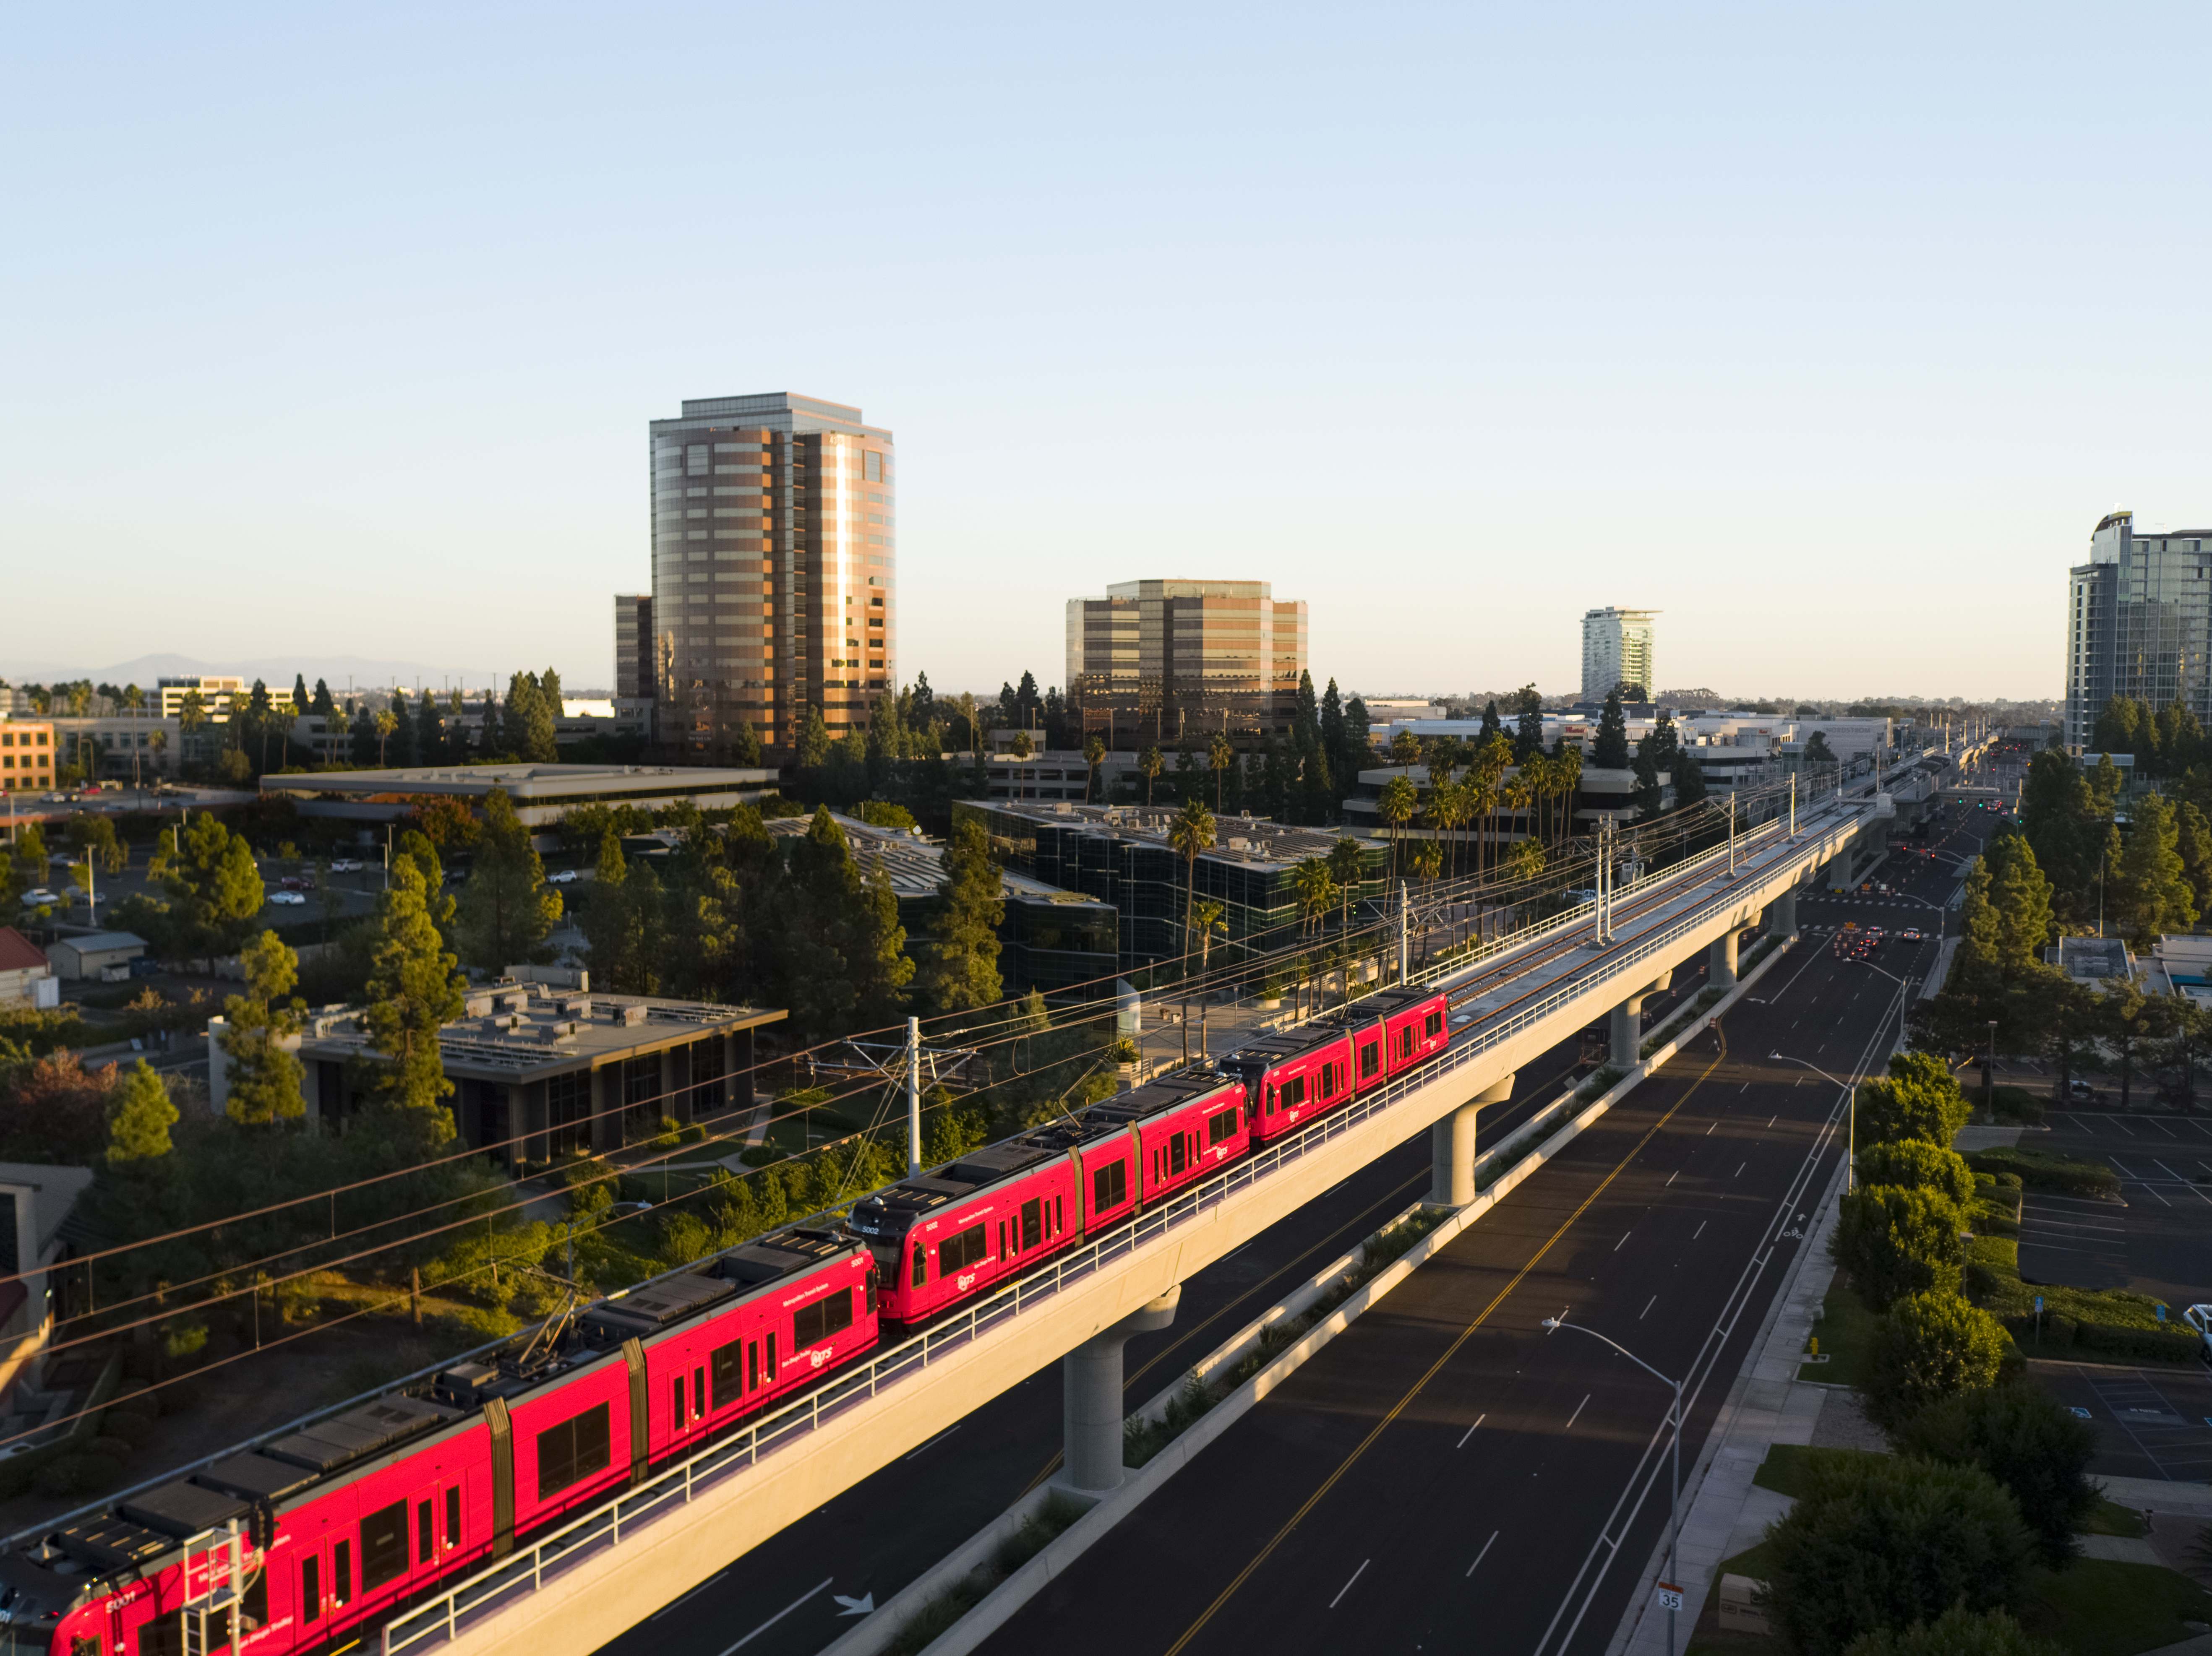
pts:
pixel 1828 331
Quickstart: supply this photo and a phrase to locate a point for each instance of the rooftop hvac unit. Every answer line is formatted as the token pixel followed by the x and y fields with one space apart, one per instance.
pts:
pixel 476 1006
pixel 631 1016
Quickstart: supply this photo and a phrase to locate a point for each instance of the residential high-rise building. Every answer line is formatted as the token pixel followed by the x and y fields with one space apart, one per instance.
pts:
pixel 773 569
pixel 1617 650
pixel 633 646
pixel 2138 622
pixel 1158 660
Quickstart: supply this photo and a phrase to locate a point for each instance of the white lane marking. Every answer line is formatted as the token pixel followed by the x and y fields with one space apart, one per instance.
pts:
pixel 1479 1557
pixel 1556 1320
pixel 1469 1433
pixel 1775 1117
pixel 2186 1186
pixel 690 1596
pixel 933 1442
pixel 1740 1166
pixel 1709 1131
pixel 2132 1179
pixel 1700 1230
pixel 1625 1236
pixel 1672 1177
pixel 1646 1312
pixel 781 1614
pixel 2123 1126
pixel 1578 1415
pixel 1346 1587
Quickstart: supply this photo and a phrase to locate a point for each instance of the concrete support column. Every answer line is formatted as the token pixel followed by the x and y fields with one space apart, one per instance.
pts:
pixel 1782 915
pixel 1090 1382
pixel 1720 961
pixel 1627 1023
pixel 1452 1147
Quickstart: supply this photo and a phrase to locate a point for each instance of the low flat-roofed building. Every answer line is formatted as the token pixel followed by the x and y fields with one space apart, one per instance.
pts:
pixel 88 956
pixel 35 1198
pixel 1120 854
pixel 541 793
pixel 539 1072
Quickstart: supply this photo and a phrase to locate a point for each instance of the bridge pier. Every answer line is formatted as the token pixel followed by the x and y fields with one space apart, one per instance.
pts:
pixel 1090 1388
pixel 1627 1021
pixel 1451 1143
pixel 1720 961
pixel 1782 915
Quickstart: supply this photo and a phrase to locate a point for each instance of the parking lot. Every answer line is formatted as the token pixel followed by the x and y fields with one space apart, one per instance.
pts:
pixel 2158 1239
pixel 2149 1423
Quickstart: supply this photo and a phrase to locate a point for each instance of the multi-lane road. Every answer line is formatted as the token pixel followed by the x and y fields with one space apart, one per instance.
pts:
pixel 1446 1471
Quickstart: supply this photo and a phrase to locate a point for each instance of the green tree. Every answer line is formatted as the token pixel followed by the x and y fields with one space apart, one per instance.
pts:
pixel 843 962
pixel 215 890
pixel 1928 1346
pixel 2020 896
pixel 1609 749
pixel 505 912
pixel 1094 753
pixel 413 991
pixel 266 1076
pixel 1878 1544
pixel 2159 898
pixel 139 1116
pixel 528 722
pixel 2029 1442
pixel 961 971
pixel 2193 839
pixel 1898 1240
pixel 1398 801
pixel 1957 1632
pixel 1917 1164
pixel 1219 757
pixel 1151 762
pixel 813 740
pixel 1919 1098
pixel 1189 835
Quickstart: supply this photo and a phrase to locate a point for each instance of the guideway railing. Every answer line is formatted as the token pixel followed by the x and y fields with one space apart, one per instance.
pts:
pixel 443 1616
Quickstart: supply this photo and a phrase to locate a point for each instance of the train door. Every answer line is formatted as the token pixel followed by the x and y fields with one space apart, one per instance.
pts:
pixel 327 1584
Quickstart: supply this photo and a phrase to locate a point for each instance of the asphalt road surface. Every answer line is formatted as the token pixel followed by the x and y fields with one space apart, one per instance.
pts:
pixel 1446 1471
pixel 792 1595
pixel 2150 1422
pixel 2161 1241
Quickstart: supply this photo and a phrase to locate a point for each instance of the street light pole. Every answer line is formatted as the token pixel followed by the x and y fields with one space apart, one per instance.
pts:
pixel 1989 1075
pixel 1675 1503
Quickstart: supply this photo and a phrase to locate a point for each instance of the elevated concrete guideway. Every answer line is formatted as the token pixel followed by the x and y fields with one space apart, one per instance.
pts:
pixel 572 1590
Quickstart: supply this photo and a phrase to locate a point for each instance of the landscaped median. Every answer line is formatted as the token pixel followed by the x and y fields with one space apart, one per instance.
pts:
pixel 953 1608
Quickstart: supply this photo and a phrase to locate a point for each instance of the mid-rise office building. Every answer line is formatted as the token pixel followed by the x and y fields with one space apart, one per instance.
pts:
pixel 634 672
pixel 773 569
pixel 2138 622
pixel 1617 650
pixel 1157 661
pixel 27 754
pixel 216 694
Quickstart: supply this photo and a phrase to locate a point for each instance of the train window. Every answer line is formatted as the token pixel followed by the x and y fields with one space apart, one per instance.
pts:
pixel 1058 1215
pixel 311 1589
pixel 383 1546
pixel 1032 1223
pixel 572 1452
pixel 1175 1154
pixel 957 1253
pixel 1371 1059
pixel 254 1608
pixel 813 1323
pixel 1271 1100
pixel 872 1289
pixel 163 1637
pixel 342 1573
pixel 752 1365
pixel 453 1516
pixel 1110 1187
pixel 698 1393
pixel 1003 1254
pixel 1435 1026
pixel 85 1646
pixel 675 1403
pixel 771 1357
pixel 1294 1092
pixel 921 1265
pixel 426 1532
pixel 727 1363
pixel 1220 1127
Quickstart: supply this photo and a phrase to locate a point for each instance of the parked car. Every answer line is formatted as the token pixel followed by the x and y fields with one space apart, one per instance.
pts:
pixel 345 865
pixel 563 876
pixel 296 883
pixel 37 897
pixel 291 899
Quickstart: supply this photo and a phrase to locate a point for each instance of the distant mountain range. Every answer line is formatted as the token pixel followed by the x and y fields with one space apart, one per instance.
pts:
pixel 364 672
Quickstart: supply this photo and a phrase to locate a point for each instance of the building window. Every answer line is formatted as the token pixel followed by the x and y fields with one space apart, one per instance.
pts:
pixel 568 1112
pixel 872 466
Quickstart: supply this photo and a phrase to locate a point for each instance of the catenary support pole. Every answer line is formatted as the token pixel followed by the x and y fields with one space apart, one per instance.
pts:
pixel 1404 959
pixel 912 1098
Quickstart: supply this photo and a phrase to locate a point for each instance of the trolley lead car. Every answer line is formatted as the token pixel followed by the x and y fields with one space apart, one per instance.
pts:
pixel 299 1542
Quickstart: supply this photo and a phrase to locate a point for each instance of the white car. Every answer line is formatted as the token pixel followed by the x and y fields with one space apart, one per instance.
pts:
pixel 565 876
pixel 37 897
pixel 290 899
pixel 345 865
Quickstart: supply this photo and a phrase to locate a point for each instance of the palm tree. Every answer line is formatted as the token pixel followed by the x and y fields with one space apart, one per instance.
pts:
pixel 386 722
pixel 1517 795
pixel 1151 762
pixel 1567 772
pixel 1405 749
pixel 1191 832
pixel 1317 892
pixel 1220 755
pixel 1447 812
pixel 1209 917
pixel 1094 751
pixel 1396 808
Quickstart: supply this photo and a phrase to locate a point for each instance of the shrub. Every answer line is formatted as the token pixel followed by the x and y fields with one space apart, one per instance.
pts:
pixel 1919 1099
pixel 1917 1164
pixel 2043 1170
pixel 1957 1632
pixel 1879 1543
pixel 2024 1439
pixel 1930 1346
pixel 1896 1241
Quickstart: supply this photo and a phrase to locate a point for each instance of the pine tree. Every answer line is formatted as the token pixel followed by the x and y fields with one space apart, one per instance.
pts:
pixel 505 912
pixel 265 1076
pixel 814 740
pixel 2159 896
pixel 413 991
pixel 139 1116
pixel 1609 751
pixel 1529 730
pixel 962 970
pixel 325 705
pixel 400 749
